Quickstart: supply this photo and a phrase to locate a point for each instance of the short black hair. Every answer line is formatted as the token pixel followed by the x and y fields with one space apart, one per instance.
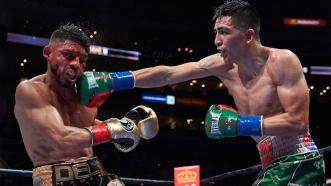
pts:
pixel 245 15
pixel 73 33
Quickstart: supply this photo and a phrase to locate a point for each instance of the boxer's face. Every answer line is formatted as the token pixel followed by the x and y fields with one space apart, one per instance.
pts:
pixel 229 39
pixel 67 61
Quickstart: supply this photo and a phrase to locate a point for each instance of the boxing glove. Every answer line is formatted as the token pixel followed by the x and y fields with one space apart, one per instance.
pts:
pixel 223 121
pixel 125 134
pixel 94 88
pixel 146 120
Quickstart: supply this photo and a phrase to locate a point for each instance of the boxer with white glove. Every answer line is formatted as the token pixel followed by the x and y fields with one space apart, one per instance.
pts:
pixel 125 133
pixel 145 118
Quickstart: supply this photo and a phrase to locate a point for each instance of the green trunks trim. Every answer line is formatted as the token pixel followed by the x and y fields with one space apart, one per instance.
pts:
pixel 298 169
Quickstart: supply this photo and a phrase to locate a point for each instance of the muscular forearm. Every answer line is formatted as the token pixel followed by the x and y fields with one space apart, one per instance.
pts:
pixel 70 139
pixel 73 138
pixel 151 77
pixel 284 125
pixel 164 75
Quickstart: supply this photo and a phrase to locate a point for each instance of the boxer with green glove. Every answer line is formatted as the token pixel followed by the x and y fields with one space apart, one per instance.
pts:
pixel 223 121
pixel 95 87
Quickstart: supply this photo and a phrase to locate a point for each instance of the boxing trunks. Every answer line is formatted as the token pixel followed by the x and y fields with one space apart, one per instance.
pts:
pixel 85 171
pixel 290 160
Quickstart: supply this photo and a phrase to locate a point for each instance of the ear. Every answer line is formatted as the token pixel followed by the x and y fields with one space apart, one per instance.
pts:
pixel 250 35
pixel 46 51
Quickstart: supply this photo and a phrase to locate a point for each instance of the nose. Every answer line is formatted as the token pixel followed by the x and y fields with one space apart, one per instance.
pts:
pixel 218 40
pixel 75 63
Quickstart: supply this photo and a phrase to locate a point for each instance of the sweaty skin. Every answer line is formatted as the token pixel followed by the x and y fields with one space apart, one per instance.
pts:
pixel 50 118
pixel 262 80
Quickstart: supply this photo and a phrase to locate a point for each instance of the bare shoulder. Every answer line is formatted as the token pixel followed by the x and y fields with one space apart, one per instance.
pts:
pixel 283 57
pixel 214 64
pixel 31 91
pixel 284 64
pixel 214 59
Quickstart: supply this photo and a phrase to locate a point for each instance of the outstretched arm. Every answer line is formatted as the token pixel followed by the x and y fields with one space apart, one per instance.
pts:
pixel 164 75
pixel 95 87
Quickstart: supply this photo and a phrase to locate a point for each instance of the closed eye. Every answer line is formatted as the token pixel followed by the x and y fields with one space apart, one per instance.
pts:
pixel 71 55
pixel 68 55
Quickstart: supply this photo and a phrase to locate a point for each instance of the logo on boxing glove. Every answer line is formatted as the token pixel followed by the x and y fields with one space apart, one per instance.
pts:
pixel 127 125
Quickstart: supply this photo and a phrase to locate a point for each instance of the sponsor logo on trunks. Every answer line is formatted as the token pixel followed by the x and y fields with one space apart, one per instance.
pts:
pixel 274 147
pixel 265 149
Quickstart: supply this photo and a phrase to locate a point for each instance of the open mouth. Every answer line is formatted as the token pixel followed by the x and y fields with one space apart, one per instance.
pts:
pixel 71 74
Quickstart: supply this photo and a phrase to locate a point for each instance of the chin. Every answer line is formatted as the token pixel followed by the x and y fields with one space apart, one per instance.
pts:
pixel 225 58
pixel 67 84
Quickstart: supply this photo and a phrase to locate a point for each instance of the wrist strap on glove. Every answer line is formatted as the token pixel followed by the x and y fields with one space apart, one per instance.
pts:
pixel 250 125
pixel 100 133
pixel 122 80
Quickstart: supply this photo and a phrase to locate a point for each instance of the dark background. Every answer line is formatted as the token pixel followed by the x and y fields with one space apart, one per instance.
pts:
pixel 157 29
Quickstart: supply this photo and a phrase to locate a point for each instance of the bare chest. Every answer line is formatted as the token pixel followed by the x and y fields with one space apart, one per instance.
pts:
pixel 257 96
pixel 76 114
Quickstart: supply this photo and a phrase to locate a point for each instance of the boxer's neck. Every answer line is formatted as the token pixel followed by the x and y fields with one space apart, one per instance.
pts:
pixel 254 61
pixel 66 93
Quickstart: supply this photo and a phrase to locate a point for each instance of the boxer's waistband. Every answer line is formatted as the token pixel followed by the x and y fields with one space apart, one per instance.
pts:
pixel 71 171
pixel 274 147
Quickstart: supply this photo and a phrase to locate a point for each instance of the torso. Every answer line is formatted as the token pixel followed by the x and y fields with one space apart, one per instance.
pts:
pixel 72 114
pixel 257 95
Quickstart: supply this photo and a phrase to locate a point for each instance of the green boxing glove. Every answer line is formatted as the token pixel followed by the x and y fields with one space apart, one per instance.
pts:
pixel 223 121
pixel 94 87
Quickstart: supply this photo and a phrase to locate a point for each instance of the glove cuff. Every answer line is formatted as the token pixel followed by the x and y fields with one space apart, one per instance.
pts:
pixel 100 133
pixel 91 134
pixel 250 125
pixel 122 80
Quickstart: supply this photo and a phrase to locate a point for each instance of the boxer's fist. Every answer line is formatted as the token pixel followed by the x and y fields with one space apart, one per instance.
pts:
pixel 144 125
pixel 146 120
pixel 94 87
pixel 124 134
pixel 221 122
pixel 224 121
